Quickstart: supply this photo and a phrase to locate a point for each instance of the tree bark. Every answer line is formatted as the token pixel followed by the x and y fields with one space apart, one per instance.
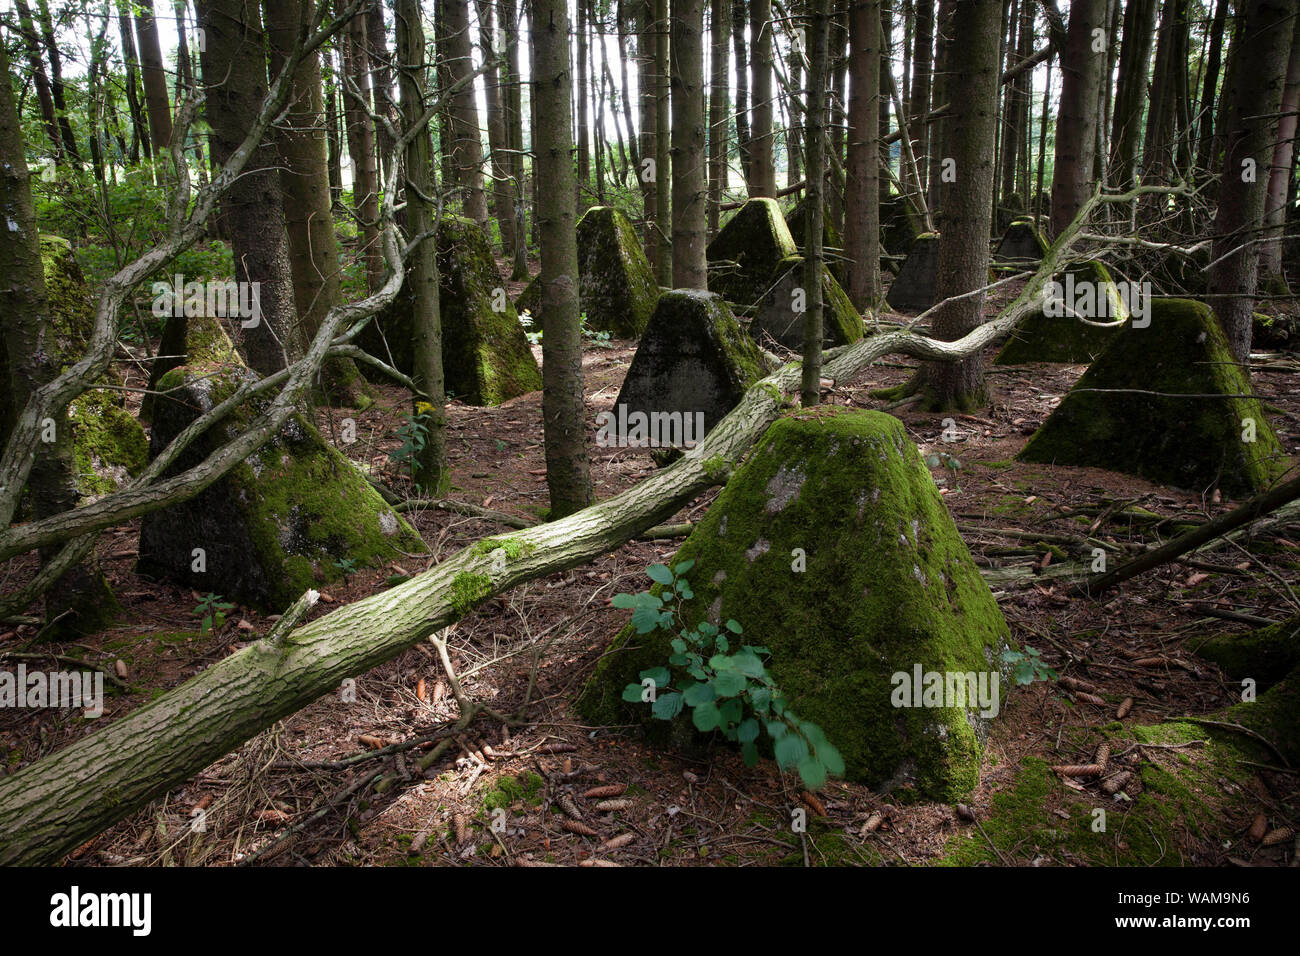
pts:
pixel 1076 128
pixel 862 168
pixel 139 128
pixel 968 201
pixel 1270 256
pixel 762 178
pixel 648 108
pixel 432 472
pixel 664 160
pixel 466 146
pixel 80 600
pixel 1205 131
pixel 719 62
pixel 381 83
pixel 580 100
pixel 568 476
pixel 515 134
pixel 234 69
pixel 40 80
pixel 815 161
pixel 354 83
pixel 155 77
pixel 1130 90
pixel 690 192
pixel 919 94
pixel 739 20
pixel 1250 136
pixel 503 192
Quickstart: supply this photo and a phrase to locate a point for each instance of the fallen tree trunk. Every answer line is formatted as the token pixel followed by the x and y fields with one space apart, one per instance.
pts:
pixel 55 804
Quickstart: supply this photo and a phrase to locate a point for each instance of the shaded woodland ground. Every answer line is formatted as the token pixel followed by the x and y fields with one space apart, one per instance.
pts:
pixel 288 796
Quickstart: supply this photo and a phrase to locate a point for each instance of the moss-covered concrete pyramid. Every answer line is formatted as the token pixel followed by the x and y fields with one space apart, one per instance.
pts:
pixel 887 587
pixel 747 250
pixel 1021 245
pixel 694 357
pixel 913 289
pixel 108 444
pixel 485 353
pixel 1064 338
pixel 289 517
pixel 776 317
pixel 899 226
pixel 832 242
pixel 1167 403
pixel 616 286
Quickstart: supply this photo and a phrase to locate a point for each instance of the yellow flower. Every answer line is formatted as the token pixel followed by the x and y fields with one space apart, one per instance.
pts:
pixel 423 408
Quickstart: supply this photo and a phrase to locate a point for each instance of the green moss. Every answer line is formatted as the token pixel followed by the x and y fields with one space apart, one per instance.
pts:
pixel 507 791
pixel 746 251
pixel 832 242
pixel 617 288
pixel 1266 654
pixel 887 584
pixel 1044 338
pixel 467 589
pixel 107 443
pixel 513 546
pixel 1111 418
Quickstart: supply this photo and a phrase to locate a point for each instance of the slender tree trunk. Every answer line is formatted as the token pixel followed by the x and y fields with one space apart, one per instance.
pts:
pixel 155 77
pixel 305 185
pixel 919 94
pixel 39 79
pixel 515 133
pixel 361 146
pixel 690 192
pixel 568 476
pixel 580 99
pixel 466 146
pixel 1250 134
pixel 1076 129
pixel 719 62
pixel 381 83
pixel 837 39
pixel 1270 257
pixel 664 159
pixel 139 130
pixel 432 471
pixel 815 161
pixel 794 149
pixel 1130 90
pixel 862 169
pixel 1205 131
pixel 739 20
pixel 333 140
pixel 503 192
pixel 967 202
pixel 234 70
pixel 940 93
pixel 56 80
pixel 762 179
pixel 648 108
pixel 80 600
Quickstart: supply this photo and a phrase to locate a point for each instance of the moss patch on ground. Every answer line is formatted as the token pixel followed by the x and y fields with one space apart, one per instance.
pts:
pixel 887 584
pixel 1169 404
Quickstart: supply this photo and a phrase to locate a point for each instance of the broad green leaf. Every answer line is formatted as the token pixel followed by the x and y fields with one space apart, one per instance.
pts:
pixel 683 567
pixel 632 693
pixel 812 773
pixel 734 627
pixel 747 732
pixel 776 729
pixel 678 645
pixel 705 717
pixel 750 754
pixel 667 706
pixel 729 683
pixel 660 574
pixel 789 750
pixel 701 693
pixel 660 675
pixel 831 759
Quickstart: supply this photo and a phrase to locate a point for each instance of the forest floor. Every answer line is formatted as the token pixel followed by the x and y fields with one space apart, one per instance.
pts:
pixel 539 642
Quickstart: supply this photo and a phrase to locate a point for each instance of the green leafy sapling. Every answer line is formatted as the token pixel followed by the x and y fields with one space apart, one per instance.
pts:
pixel 1028 666
pixel 212 610
pixel 728 688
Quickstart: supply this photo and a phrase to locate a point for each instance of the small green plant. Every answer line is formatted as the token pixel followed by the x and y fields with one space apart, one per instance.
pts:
pixel 414 432
pixel 728 689
pixel 347 566
pixel 212 610
pixel 1028 666
pixel 935 459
